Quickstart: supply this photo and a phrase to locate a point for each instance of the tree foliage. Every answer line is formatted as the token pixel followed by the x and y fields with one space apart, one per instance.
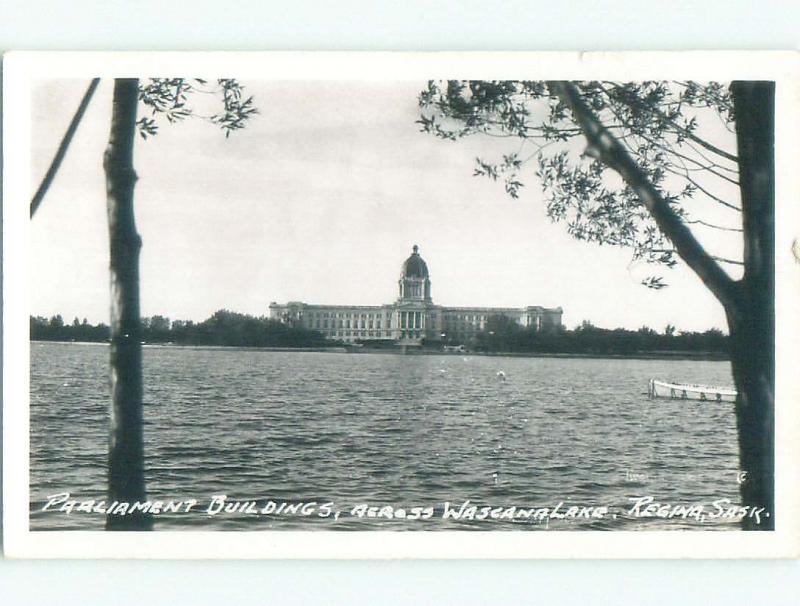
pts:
pixel 223 328
pixel 657 124
pixel 168 98
pixel 502 334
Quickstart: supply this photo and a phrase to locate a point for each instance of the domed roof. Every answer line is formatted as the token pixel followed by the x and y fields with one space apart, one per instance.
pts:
pixel 414 266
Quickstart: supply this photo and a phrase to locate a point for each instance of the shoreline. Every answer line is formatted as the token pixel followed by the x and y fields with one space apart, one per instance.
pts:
pixel 642 355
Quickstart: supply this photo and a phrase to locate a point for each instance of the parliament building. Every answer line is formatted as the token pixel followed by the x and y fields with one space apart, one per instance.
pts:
pixel 409 320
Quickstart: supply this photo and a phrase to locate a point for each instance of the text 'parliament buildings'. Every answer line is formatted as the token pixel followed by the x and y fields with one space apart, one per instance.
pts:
pixel 411 319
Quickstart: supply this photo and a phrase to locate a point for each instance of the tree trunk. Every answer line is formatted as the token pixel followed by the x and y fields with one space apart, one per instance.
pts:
pixel 749 303
pixel 126 451
pixel 752 319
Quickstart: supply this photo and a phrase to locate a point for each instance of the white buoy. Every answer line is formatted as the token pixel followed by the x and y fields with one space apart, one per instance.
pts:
pixel 501 376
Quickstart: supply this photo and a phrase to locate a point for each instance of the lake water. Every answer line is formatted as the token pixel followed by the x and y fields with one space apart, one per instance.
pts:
pixel 386 430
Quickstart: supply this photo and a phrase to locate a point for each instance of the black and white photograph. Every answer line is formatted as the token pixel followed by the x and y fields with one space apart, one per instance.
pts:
pixel 399 305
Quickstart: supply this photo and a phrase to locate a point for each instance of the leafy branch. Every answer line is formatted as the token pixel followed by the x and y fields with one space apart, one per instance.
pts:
pixel 655 123
pixel 168 98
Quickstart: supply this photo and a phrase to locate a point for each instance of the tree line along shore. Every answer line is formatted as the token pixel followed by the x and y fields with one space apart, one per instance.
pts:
pixel 501 335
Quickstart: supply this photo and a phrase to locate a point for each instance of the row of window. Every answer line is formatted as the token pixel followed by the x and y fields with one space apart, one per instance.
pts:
pixel 343 314
pixel 349 324
pixel 479 319
pixel 449 323
pixel 375 334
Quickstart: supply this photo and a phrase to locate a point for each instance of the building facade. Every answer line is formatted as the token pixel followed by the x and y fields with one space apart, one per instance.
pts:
pixel 412 318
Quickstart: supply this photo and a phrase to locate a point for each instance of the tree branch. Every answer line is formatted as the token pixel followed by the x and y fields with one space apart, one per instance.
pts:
pixel 678 128
pixel 667 147
pixel 726 260
pixel 734 171
pixel 605 147
pixel 712 225
pixel 717 199
pixel 703 143
pixel 63 146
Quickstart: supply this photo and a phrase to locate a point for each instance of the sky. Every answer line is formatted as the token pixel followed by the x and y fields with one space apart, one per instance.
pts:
pixel 320 199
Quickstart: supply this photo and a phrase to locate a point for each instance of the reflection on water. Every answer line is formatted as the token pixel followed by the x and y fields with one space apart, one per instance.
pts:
pixel 379 429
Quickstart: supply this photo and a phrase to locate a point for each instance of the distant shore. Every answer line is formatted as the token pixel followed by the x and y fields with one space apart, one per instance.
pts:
pixel 643 355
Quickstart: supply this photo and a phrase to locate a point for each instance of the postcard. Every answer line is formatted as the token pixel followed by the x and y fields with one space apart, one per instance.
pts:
pixel 401 305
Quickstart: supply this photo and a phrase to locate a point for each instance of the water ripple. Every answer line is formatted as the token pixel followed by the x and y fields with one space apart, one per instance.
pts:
pixel 384 430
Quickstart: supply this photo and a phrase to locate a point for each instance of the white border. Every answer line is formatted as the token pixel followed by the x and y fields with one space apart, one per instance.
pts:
pixel 20 69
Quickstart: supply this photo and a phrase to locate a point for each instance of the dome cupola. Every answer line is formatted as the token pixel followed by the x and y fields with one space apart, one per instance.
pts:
pixel 414 266
pixel 415 284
